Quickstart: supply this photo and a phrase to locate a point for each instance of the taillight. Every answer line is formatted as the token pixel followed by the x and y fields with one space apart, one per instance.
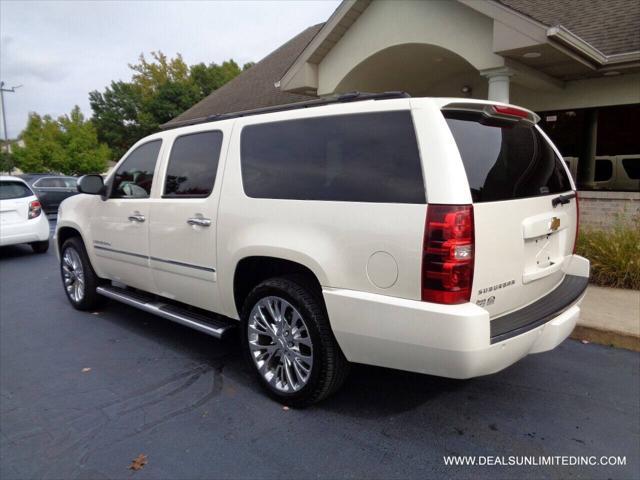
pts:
pixel 448 251
pixel 575 241
pixel 512 111
pixel 35 209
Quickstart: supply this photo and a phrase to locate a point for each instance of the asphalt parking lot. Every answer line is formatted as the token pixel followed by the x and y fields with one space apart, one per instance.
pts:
pixel 191 405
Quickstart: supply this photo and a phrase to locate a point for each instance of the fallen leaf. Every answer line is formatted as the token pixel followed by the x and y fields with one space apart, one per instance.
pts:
pixel 585 342
pixel 285 408
pixel 138 462
pixel 86 369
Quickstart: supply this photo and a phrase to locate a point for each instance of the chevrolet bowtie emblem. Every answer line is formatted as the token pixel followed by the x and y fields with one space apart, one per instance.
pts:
pixel 555 224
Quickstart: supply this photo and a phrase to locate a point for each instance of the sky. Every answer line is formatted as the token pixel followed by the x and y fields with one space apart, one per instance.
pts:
pixel 59 51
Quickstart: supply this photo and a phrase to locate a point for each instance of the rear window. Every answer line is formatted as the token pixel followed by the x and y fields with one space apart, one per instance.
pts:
pixel 506 161
pixel 368 157
pixel 12 189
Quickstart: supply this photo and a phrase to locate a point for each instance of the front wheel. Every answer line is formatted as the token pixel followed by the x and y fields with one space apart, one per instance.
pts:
pixel 289 342
pixel 79 280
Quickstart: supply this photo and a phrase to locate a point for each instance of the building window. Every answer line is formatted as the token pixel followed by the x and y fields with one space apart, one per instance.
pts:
pixel 604 170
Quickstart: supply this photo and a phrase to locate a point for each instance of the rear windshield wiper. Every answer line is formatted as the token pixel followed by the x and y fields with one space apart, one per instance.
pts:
pixel 562 199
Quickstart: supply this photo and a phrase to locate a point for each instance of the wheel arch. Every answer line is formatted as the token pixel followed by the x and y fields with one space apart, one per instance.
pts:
pixel 252 270
pixel 64 233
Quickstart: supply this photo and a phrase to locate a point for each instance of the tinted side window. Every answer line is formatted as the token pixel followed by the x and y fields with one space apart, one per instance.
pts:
pixel 193 164
pixel 50 183
pixel 506 161
pixel 44 183
pixel 369 157
pixel 134 177
pixel 70 182
pixel 604 170
pixel 11 189
pixel 632 167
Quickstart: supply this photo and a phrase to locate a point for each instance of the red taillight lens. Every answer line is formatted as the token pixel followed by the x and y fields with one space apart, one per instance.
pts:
pixel 514 112
pixel 447 263
pixel 575 241
pixel 35 209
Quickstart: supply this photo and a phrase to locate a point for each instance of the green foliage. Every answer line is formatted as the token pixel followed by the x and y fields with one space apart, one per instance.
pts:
pixel 67 145
pixel 614 254
pixel 7 161
pixel 115 116
pixel 159 90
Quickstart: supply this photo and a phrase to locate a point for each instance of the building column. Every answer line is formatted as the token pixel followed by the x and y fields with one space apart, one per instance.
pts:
pixel 499 80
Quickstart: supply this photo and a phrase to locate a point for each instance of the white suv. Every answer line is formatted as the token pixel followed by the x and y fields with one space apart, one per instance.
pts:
pixel 424 234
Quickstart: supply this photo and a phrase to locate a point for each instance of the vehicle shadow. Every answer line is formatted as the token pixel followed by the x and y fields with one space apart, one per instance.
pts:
pixel 372 392
pixel 15 251
pixel 368 391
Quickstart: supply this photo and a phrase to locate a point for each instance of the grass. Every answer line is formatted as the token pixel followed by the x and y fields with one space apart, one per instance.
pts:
pixel 614 254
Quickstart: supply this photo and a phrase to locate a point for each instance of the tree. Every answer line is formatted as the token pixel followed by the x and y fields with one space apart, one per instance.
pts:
pixel 159 90
pixel 68 145
pixel 7 161
pixel 210 77
pixel 116 115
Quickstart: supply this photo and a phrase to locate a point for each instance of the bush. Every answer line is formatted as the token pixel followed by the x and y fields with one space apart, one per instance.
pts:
pixel 614 254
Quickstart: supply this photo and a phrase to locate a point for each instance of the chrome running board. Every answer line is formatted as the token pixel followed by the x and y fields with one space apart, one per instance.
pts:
pixel 211 325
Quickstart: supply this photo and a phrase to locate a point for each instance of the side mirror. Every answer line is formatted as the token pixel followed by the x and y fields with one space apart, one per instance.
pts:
pixel 91 184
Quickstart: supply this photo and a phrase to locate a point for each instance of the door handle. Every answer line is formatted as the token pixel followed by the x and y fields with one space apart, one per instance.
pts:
pixel 136 217
pixel 199 221
pixel 562 199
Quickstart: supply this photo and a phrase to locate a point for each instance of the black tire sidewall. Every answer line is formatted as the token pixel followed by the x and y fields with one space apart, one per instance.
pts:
pixel 309 314
pixel 90 298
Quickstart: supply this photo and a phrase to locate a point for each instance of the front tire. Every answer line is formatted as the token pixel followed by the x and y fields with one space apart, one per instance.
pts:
pixel 288 341
pixel 78 277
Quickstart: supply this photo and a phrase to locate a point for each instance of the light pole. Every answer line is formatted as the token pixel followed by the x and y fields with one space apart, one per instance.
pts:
pixel 4 117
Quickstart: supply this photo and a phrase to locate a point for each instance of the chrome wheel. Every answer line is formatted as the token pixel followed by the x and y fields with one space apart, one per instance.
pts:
pixel 73 274
pixel 280 344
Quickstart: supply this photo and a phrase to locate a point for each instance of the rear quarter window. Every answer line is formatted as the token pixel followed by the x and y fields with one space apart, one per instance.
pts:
pixel 368 157
pixel 506 161
pixel 12 189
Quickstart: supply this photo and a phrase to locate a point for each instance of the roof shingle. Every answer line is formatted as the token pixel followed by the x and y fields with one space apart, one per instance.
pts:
pixel 255 87
pixel 611 26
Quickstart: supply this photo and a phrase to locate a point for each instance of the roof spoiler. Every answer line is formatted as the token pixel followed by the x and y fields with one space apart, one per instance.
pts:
pixel 496 111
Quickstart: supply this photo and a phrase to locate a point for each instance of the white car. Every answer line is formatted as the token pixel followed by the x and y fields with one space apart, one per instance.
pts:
pixel 21 217
pixel 425 234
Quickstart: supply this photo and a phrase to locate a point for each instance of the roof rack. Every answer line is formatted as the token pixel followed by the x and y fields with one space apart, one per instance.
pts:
pixel 341 98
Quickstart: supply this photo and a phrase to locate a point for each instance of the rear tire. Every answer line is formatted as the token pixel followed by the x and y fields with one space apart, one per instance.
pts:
pixel 40 247
pixel 288 341
pixel 78 277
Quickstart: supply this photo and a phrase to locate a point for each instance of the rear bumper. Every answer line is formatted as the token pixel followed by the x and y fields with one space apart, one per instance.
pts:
pixel 446 340
pixel 35 230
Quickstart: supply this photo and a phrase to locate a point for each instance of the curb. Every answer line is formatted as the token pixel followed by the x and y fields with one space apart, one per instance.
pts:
pixel 607 337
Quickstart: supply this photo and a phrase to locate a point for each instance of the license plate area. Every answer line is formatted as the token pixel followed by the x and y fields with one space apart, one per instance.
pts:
pixel 8 217
pixel 544 238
